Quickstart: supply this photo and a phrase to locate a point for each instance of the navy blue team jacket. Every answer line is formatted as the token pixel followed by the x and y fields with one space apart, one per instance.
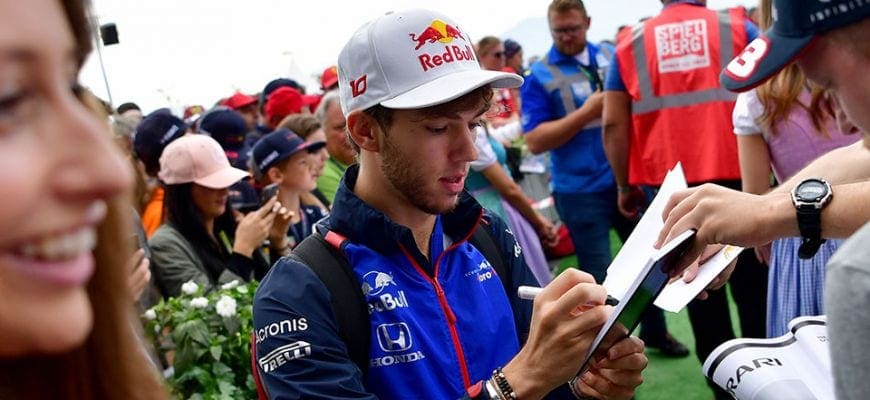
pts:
pixel 436 327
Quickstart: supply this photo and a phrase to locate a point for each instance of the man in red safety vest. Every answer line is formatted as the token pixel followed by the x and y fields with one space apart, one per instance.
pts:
pixel 663 104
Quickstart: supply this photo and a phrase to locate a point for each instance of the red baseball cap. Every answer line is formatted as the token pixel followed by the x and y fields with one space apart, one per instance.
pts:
pixel 285 101
pixel 329 78
pixel 239 100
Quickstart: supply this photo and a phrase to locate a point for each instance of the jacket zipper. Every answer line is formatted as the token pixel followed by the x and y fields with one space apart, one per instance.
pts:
pixel 448 312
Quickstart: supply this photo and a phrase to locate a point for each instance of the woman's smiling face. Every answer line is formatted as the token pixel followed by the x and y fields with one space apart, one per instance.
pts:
pixel 57 168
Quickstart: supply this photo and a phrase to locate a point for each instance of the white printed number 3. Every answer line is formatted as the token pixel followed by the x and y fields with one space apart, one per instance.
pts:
pixel 745 63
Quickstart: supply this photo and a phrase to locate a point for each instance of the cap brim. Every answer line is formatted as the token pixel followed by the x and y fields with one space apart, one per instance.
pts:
pixel 450 87
pixel 309 99
pixel 222 179
pixel 741 74
pixel 328 83
pixel 244 103
pixel 314 146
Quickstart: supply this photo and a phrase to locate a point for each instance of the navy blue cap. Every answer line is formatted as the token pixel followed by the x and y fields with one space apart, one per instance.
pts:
pixel 511 47
pixel 274 84
pixel 796 23
pixel 277 146
pixel 226 126
pixel 153 134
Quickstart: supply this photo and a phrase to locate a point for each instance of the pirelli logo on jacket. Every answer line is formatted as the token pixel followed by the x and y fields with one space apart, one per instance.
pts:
pixel 283 354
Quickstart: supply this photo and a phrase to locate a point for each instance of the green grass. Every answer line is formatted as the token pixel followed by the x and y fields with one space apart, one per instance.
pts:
pixel 670 378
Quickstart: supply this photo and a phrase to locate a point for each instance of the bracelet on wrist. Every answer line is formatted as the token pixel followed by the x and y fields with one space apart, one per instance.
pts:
pixel 505 390
pixel 623 189
pixel 482 390
pixel 492 391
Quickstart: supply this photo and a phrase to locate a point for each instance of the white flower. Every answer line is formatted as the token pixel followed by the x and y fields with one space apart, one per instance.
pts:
pixel 230 285
pixel 199 302
pixel 226 306
pixel 150 315
pixel 189 287
pixel 242 289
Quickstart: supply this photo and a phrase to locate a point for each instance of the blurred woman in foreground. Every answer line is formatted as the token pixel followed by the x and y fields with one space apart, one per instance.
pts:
pixel 66 326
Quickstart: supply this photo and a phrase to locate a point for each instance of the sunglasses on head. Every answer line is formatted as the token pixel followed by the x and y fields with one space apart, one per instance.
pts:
pixel 498 54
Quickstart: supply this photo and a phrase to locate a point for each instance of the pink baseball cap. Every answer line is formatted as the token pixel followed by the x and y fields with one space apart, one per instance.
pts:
pixel 198 159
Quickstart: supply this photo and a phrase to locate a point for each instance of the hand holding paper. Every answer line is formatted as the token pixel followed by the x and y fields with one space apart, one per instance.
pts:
pixel 640 245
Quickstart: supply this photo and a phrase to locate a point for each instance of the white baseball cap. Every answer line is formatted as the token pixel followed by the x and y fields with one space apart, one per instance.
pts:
pixel 411 59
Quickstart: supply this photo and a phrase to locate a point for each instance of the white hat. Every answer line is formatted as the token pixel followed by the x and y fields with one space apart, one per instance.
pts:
pixel 411 59
pixel 198 159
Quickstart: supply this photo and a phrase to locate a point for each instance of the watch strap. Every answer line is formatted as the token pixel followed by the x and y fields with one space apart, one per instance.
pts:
pixel 810 225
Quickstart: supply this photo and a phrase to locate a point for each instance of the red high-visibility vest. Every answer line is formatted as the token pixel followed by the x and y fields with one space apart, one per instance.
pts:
pixel 670 65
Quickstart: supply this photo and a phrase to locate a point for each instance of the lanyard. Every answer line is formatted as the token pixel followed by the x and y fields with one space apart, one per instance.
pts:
pixel 592 75
pixel 305 229
pixel 591 72
pixel 225 240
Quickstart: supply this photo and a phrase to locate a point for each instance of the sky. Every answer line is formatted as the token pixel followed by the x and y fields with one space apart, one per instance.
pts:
pixel 174 53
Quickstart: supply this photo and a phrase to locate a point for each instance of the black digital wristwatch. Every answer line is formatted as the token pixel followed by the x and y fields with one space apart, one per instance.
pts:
pixel 809 197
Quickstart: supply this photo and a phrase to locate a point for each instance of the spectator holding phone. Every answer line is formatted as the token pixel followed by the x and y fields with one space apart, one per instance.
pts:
pixel 288 162
pixel 310 129
pixel 202 241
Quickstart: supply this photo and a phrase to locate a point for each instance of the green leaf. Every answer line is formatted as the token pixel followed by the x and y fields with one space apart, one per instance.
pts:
pixel 195 330
pixel 216 352
pixel 220 370
pixel 227 390
pixel 194 374
pixel 232 325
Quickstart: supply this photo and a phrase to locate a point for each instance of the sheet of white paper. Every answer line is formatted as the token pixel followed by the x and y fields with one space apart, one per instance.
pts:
pixel 813 337
pixel 678 293
pixel 636 251
pixel 791 366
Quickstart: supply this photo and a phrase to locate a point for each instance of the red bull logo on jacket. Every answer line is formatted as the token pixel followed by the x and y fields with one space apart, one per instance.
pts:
pixel 440 33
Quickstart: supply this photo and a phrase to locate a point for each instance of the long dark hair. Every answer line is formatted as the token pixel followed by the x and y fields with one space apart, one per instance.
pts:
pixel 111 364
pixel 183 215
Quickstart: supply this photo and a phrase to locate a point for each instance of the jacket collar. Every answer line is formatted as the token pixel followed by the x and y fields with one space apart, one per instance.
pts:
pixel 554 56
pixel 363 224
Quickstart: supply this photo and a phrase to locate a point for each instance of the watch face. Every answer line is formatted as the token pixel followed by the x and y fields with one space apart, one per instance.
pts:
pixel 811 190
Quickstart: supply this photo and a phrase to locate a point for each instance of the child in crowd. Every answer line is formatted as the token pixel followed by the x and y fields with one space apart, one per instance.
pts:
pixel 284 159
pixel 310 129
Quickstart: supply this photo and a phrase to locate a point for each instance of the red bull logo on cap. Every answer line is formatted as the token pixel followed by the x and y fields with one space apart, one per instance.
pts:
pixel 443 33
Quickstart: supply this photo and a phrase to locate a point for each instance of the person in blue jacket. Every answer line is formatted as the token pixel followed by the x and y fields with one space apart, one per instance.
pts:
pixel 441 324
pixel 562 105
